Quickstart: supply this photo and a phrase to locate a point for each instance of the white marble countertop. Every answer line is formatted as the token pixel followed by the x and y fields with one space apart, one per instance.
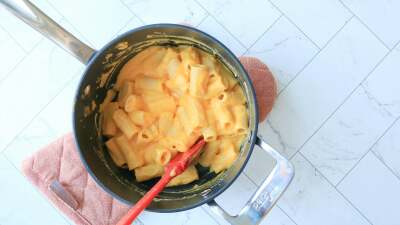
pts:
pixel 337 63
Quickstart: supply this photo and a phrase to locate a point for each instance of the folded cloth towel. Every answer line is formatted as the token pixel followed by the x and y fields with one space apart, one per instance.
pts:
pixel 56 170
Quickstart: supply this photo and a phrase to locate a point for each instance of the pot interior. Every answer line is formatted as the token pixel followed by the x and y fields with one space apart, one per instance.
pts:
pixel 100 76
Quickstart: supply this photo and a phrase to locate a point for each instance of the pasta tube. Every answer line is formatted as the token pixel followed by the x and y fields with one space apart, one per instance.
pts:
pixel 107 100
pixel 198 80
pixel 165 122
pixel 169 64
pixel 209 153
pixel 149 84
pixel 209 134
pixel 115 153
pixel 141 118
pixel 134 102
pixel 209 61
pixel 188 176
pixel 194 109
pixel 108 126
pixel 224 159
pixel 179 84
pixel 148 172
pixel 132 156
pixel 150 64
pixel 159 103
pixel 227 77
pixel 189 56
pixel 241 123
pixel 237 96
pixel 157 154
pixel 225 120
pixel 215 87
pixel 147 135
pixel 126 90
pixel 123 122
pixel 130 70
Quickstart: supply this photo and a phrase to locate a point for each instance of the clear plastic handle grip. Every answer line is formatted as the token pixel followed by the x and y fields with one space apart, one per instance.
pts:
pixel 267 194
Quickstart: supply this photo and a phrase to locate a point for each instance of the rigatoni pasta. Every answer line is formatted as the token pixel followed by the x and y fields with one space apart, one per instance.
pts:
pixel 157 154
pixel 125 92
pixel 225 157
pixel 109 128
pixel 133 102
pixel 115 153
pixel 141 118
pixel 198 79
pixel 131 154
pixel 125 124
pixel 188 176
pixel 240 115
pixel 209 153
pixel 148 172
pixel 165 121
pixel 167 98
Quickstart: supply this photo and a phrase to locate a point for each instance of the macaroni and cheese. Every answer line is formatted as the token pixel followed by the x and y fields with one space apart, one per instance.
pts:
pixel 165 99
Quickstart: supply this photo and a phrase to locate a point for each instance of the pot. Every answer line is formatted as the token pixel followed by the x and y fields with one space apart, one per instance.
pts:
pixel 102 67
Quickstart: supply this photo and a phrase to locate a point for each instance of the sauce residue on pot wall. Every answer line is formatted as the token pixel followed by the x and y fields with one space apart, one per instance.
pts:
pixel 86 91
pixel 102 79
pixel 87 110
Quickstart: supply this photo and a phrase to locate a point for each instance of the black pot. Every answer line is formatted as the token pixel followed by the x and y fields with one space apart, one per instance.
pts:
pixel 119 182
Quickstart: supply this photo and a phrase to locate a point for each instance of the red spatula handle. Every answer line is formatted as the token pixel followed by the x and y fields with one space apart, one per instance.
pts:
pixel 175 167
pixel 131 215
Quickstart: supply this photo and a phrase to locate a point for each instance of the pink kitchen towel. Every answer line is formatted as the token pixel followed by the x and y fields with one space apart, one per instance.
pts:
pixel 57 171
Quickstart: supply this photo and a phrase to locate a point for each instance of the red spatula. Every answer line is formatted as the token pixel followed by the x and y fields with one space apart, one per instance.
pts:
pixel 175 167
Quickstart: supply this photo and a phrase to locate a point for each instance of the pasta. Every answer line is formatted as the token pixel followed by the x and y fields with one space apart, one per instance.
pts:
pixel 141 118
pixel 227 78
pixel 164 122
pixel 209 153
pixel 133 102
pixel 169 64
pixel 132 68
pixel 108 126
pixel 209 61
pixel 178 84
pixel 115 152
pixel 149 84
pixel 126 90
pixel 158 103
pixel 164 100
pixel 194 109
pixel 157 154
pixel 215 87
pixel 189 56
pixel 198 77
pixel 131 155
pixel 240 114
pixel 188 176
pixel 209 134
pixel 125 124
pixel 109 97
pixel 148 134
pixel 225 119
pixel 148 172
pixel 224 158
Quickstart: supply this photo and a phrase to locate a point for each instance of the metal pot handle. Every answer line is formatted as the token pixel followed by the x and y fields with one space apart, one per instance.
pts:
pixel 267 194
pixel 35 18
